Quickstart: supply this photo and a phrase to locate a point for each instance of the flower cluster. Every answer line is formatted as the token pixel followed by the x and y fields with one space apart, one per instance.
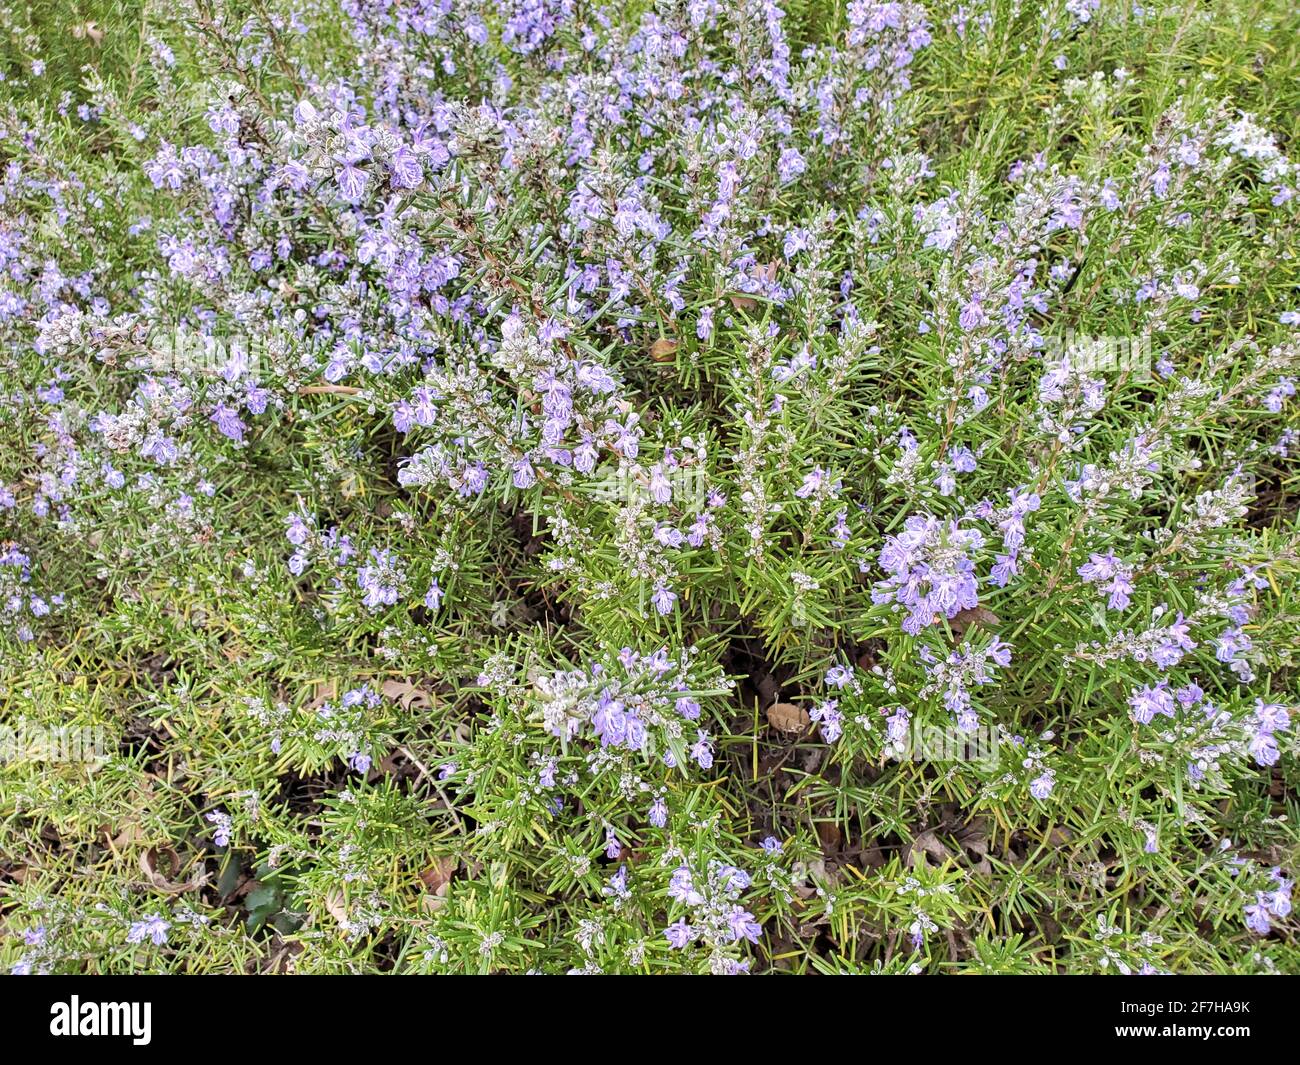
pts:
pixel 931 568
pixel 712 911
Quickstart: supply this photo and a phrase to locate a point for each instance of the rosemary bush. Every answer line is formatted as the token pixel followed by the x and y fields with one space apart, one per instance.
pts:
pixel 684 486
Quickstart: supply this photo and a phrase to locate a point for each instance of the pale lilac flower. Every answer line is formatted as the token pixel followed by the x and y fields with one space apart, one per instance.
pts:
pixel 221 827
pixel 680 934
pixel 1147 702
pixel 152 928
pixel 702 751
pixel 1257 915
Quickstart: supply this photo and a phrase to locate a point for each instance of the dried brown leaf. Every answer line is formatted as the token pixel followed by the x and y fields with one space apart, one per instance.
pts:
pixel 322 692
pixel 88 31
pixel 830 835
pixel 663 349
pixel 337 906
pixel 927 846
pixel 153 860
pixel 409 695
pixel 786 717
pixel 434 902
pixel 975 842
pixel 439 874
pixel 973 616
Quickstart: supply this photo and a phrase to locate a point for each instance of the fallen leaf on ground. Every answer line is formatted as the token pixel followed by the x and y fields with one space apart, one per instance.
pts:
pixel 662 350
pixel 927 846
pixel 439 873
pixel 437 878
pixel 409 695
pixel 154 857
pixel 830 835
pixel 338 907
pixel 786 717
pixel 973 616
pixel 88 31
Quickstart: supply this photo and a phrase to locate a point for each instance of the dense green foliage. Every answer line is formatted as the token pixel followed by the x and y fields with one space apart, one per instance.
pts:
pixel 680 487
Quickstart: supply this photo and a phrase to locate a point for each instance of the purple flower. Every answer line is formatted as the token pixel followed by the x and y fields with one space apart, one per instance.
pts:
pixel 812 483
pixel 1279 899
pixel 221 827
pixel 297 532
pixel 661 489
pixel 931 570
pixel 380 579
pixel 352 182
pixel 832 721
pixel 1003 569
pixel 1272 717
pixel 838 676
pixel 617 886
pixel 682 888
pixel 790 165
pixel 153 928
pixel 1263 748
pixel 663 599
pixel 796 240
pixel 963 460
pixel 407 173
pixel 743 925
pixel 1147 702
pixel 1257 915
pixel 680 934
pixel 524 477
pixel 1175 641
pixel 1114 576
pixel 227 421
pixel 972 316
pixel 702 751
